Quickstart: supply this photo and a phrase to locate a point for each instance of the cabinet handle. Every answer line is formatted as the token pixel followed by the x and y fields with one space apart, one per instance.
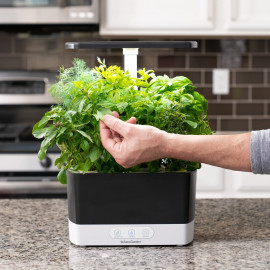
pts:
pixel 234 9
pixel 210 9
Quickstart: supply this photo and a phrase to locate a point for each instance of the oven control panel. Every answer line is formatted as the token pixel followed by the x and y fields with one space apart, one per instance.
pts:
pixel 22 87
pixel 131 232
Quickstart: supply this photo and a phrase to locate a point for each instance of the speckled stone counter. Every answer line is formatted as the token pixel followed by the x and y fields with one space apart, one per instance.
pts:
pixel 229 234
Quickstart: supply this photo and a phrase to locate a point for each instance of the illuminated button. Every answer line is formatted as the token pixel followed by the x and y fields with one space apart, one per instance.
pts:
pixel 117 233
pixel 131 233
pixel 82 15
pixel 73 15
pixel 137 232
pixel 90 15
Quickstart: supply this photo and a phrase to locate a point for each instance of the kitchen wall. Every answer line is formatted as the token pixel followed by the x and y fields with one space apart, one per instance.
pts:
pixel 247 107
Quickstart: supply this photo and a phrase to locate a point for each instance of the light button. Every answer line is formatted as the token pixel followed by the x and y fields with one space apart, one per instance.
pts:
pixel 82 15
pixel 90 15
pixel 73 15
pixel 145 233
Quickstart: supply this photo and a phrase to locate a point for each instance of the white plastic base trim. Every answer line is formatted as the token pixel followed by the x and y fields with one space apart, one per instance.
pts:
pixel 131 235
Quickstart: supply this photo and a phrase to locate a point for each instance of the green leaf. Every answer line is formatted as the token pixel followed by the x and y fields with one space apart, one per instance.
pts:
pixel 94 154
pixel 101 112
pixel 40 133
pixel 191 123
pixel 62 176
pixel 86 166
pixel 98 116
pixel 61 160
pixel 46 143
pixel 81 105
pixel 61 131
pixel 42 123
pixel 121 106
pixel 85 146
pixel 85 135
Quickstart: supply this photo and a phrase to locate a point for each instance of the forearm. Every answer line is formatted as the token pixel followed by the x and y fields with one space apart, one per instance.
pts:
pixel 226 151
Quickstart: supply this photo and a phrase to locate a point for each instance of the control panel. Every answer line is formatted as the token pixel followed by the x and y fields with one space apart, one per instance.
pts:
pixel 22 87
pixel 131 232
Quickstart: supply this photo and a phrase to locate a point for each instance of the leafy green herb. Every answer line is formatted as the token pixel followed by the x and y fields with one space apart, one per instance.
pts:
pixel 85 95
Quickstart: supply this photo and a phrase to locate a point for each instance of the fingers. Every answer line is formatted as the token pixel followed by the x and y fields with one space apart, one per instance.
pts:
pixel 132 120
pixel 115 114
pixel 115 135
pixel 106 137
pixel 115 124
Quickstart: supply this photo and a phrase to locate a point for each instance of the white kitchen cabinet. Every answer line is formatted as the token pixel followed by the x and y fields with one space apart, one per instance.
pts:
pixel 214 182
pixel 249 15
pixel 210 179
pixel 186 18
pixel 170 17
pixel 250 185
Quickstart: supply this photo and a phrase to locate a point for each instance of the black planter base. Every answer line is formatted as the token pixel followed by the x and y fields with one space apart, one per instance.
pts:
pixel 131 209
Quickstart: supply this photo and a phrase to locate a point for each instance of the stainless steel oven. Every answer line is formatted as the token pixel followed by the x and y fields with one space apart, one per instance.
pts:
pixel 24 98
pixel 49 11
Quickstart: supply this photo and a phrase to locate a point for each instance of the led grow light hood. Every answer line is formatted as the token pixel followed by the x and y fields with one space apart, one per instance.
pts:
pixel 131 48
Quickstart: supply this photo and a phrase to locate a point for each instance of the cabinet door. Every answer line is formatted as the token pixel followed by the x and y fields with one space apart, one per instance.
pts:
pixel 249 15
pixel 254 185
pixel 152 17
pixel 210 179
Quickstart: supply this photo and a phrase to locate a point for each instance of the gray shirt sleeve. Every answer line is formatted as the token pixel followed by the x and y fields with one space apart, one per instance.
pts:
pixel 260 151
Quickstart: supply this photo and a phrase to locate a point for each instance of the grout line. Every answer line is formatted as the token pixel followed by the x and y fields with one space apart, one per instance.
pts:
pixel 250 57
pixel 218 123
pixel 155 61
pixel 203 46
pixel 250 123
pixel 187 61
pixel 234 108
pixel 265 107
pixel 219 60
pixel 266 76
pixel 242 101
pixel 233 78
pixel 250 91
pixel 239 117
pixel 171 73
pixel 202 77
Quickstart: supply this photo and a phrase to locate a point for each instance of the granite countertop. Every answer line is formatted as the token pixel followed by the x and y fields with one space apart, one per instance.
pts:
pixel 229 234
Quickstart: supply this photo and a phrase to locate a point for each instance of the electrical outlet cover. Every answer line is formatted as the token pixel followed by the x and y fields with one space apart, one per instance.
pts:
pixel 221 81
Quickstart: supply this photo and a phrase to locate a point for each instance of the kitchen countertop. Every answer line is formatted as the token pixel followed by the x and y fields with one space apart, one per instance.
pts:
pixel 229 234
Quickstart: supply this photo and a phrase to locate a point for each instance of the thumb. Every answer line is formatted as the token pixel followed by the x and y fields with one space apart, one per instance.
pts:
pixel 116 124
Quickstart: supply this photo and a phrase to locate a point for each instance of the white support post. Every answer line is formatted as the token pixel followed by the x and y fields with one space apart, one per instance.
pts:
pixel 130 60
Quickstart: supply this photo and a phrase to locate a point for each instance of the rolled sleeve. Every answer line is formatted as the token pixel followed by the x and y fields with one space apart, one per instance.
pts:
pixel 260 151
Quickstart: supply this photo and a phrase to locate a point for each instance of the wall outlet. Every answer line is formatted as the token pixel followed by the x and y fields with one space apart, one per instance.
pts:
pixel 221 81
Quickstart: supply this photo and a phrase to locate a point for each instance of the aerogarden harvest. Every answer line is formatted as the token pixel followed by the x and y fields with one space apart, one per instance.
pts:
pixel 110 205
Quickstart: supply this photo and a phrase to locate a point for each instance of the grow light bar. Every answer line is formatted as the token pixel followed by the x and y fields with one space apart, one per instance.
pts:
pixel 131 48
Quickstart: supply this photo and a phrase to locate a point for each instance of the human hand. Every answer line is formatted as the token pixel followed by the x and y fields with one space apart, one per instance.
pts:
pixel 131 144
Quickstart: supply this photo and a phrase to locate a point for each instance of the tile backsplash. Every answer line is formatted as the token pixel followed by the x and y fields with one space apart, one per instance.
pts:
pixel 246 107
